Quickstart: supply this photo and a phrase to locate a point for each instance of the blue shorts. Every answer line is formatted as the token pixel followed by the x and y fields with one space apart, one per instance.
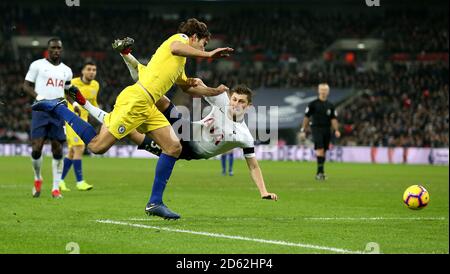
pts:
pixel 48 126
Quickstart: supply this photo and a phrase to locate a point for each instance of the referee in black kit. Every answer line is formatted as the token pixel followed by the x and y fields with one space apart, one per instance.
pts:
pixel 321 116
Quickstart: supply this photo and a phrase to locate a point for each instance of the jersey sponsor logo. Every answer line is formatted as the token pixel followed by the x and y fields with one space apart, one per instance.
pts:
pixel 328 112
pixel 55 83
pixel 121 129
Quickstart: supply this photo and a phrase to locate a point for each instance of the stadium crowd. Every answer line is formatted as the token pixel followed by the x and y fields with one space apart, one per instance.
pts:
pixel 399 103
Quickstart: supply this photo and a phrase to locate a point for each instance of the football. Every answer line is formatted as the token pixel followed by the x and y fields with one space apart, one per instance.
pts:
pixel 416 197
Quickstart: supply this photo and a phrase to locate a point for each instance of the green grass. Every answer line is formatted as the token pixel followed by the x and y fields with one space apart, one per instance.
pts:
pixel 211 203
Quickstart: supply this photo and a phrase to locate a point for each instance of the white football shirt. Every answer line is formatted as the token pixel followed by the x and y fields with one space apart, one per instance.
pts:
pixel 217 133
pixel 49 80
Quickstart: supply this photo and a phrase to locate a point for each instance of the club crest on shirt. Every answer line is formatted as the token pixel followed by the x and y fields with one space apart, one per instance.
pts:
pixel 121 129
pixel 328 112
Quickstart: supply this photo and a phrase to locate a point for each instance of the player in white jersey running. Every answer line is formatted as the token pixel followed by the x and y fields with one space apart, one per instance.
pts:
pixel 47 78
pixel 220 131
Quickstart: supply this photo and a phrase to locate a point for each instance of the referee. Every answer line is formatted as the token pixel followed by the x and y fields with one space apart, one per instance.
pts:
pixel 321 116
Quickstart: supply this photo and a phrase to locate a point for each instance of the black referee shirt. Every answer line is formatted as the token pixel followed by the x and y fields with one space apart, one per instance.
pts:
pixel 320 113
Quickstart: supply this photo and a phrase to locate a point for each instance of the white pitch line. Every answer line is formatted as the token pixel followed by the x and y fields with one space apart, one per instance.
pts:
pixel 375 218
pixel 216 235
pixel 317 219
pixel 215 218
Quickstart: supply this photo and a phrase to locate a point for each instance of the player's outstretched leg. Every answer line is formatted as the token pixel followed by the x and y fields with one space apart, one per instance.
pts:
pixel 171 150
pixel 94 111
pixel 58 106
pixel 98 144
pixel 123 45
pixel 143 141
pixel 168 109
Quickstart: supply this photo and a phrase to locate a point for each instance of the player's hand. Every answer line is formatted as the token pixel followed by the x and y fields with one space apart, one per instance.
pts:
pixel 269 196
pixel 337 133
pixel 220 53
pixel 221 89
pixel 194 82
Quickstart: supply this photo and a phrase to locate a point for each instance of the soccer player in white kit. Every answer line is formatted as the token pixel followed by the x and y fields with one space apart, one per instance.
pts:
pixel 47 78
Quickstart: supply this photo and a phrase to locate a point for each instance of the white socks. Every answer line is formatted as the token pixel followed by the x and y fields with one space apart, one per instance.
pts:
pixel 95 111
pixel 132 64
pixel 57 167
pixel 37 168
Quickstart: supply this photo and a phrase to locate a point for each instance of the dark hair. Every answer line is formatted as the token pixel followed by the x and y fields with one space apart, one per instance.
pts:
pixel 54 39
pixel 193 26
pixel 243 89
pixel 88 63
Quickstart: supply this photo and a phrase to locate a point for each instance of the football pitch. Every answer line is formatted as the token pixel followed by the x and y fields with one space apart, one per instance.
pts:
pixel 358 208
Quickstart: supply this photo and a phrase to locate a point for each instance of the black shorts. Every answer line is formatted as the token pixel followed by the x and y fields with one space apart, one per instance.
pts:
pixel 321 138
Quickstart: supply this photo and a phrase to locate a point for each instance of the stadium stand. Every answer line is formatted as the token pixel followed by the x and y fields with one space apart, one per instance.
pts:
pixel 403 101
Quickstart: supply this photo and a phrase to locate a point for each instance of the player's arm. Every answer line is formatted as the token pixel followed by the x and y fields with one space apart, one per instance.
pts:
pixel 181 49
pixel 335 124
pixel 30 79
pixel 305 124
pixel 303 128
pixel 204 91
pixel 196 87
pixel 257 177
pixel 28 87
